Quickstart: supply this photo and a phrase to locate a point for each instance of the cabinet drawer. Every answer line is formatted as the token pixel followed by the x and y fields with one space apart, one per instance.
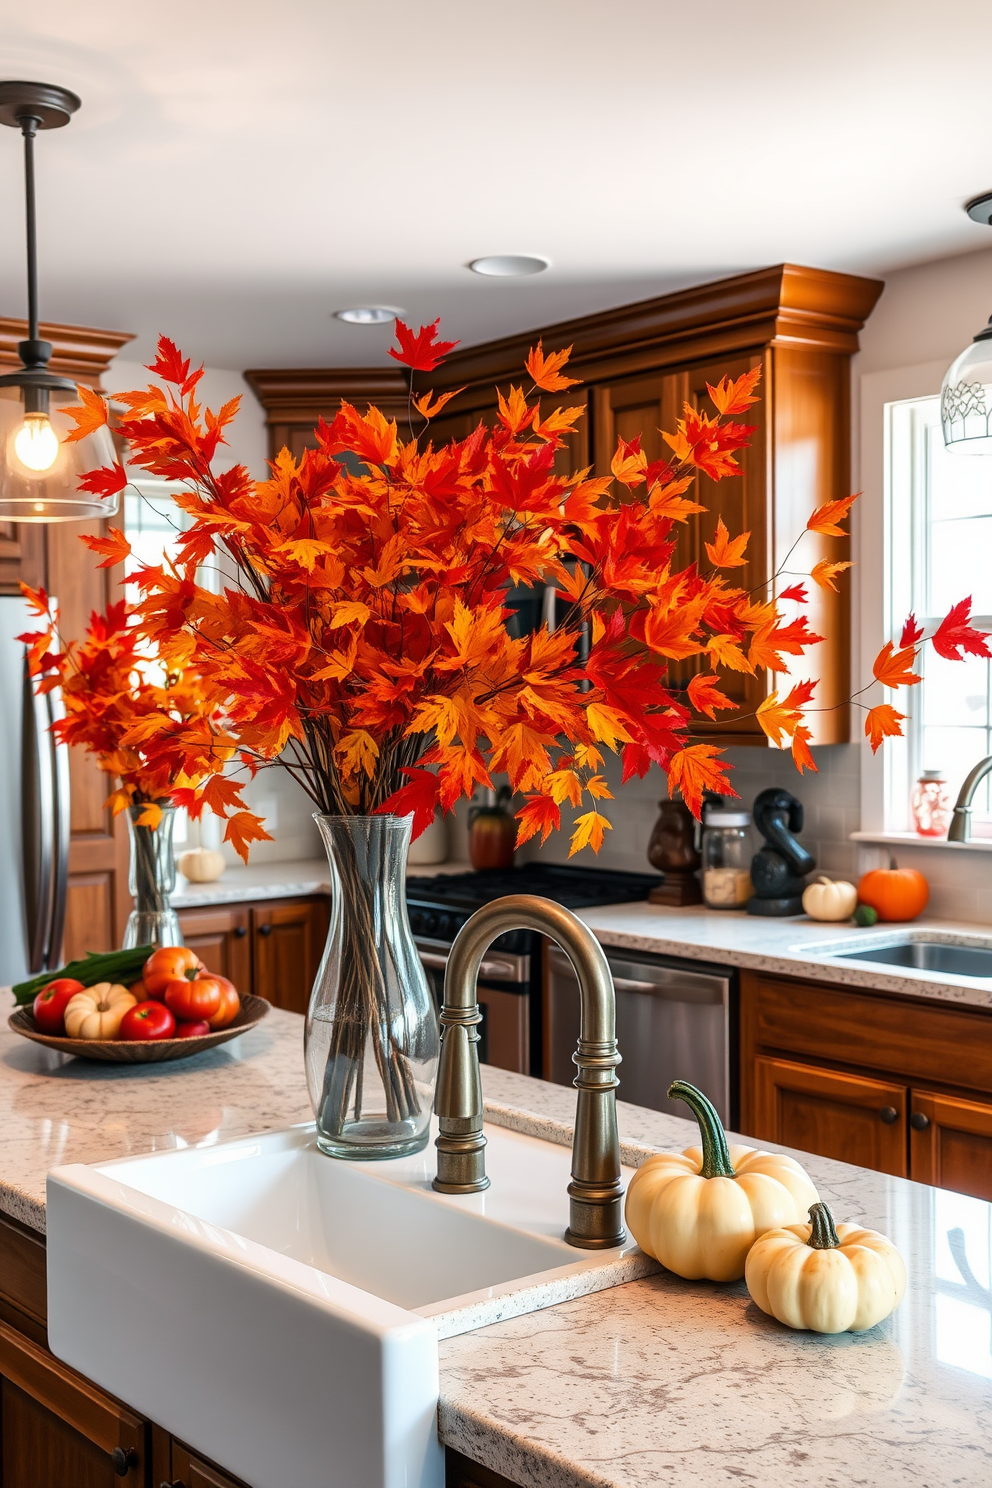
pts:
pixel 915 1041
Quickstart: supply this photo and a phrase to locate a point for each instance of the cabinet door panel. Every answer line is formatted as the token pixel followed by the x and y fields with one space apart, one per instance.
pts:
pixel 287 942
pixel 954 1148
pixel 192 1472
pixel 849 1117
pixel 220 937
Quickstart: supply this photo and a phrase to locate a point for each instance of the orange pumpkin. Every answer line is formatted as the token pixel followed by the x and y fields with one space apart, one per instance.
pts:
pixel 894 893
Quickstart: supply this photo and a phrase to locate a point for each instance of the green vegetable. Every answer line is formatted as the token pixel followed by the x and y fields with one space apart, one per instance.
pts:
pixel 864 916
pixel 97 966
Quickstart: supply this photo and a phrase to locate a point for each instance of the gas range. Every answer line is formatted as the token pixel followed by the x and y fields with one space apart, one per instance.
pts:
pixel 439 906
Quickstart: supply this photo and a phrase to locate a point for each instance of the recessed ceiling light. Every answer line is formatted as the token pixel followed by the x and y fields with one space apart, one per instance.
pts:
pixel 369 314
pixel 509 265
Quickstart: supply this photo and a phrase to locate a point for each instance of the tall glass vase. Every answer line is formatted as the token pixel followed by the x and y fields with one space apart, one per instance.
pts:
pixel 372 1029
pixel 151 879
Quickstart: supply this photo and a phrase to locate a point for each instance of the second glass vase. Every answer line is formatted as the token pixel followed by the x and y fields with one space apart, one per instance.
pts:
pixel 372 1029
pixel 151 879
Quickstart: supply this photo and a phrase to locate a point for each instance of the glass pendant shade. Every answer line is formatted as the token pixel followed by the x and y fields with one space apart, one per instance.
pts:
pixel 39 472
pixel 966 399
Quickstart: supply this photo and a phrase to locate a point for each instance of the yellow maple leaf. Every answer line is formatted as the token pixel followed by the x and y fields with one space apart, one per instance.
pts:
pixel 823 573
pixel 590 830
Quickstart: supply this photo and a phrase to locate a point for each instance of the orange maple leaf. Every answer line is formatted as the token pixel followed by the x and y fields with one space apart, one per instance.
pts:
pixel 245 827
pixel 630 462
pixel 777 720
pixel 695 769
pixel 546 371
pixel 90 416
pixel 881 722
pixel 590 830
pixel 538 814
pixel 114 547
pixel 724 651
pixel 427 409
pixel 800 749
pixel 733 397
pixel 892 668
pixel 824 520
pixel 724 552
pixel 514 412
pixel 705 696
pixel 823 573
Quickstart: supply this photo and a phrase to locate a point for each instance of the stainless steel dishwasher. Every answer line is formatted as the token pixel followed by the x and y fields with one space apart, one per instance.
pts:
pixel 673 1023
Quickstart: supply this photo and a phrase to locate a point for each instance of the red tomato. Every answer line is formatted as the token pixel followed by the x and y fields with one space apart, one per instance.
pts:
pixel 166 965
pixel 230 1002
pixel 147 1020
pixel 191 1001
pixel 51 1002
pixel 192 1030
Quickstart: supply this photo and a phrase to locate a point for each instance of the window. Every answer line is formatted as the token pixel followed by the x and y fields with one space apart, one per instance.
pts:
pixel 940 551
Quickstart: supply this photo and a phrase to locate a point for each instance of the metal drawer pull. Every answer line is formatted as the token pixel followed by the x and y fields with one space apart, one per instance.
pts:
pixel 918 1121
pixel 630 984
pixel 122 1460
pixel 265 929
pixel 240 932
pixel 502 970
pixel 889 1114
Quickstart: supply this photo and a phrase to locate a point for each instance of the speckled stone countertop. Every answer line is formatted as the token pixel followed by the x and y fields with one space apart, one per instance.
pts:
pixel 657 1381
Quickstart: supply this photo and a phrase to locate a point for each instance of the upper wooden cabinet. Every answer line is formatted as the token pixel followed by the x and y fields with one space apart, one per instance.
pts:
pixel 639 364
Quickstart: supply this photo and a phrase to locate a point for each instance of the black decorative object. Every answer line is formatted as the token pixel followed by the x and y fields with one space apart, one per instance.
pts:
pixel 779 869
pixel 39 472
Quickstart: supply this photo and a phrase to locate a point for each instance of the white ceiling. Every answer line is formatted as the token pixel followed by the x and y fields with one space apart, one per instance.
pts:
pixel 240 169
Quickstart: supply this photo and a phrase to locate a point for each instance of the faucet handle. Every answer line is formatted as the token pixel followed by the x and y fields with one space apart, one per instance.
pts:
pixel 461 1143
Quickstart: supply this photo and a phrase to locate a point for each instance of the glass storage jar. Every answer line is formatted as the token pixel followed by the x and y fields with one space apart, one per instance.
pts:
pixel 726 854
pixel 930 804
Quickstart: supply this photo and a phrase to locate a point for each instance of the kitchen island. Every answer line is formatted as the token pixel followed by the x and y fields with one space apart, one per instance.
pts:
pixel 657 1381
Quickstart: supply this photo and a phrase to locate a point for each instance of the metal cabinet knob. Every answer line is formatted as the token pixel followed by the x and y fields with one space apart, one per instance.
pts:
pixel 122 1459
pixel 918 1121
pixel 265 929
pixel 240 932
pixel 889 1114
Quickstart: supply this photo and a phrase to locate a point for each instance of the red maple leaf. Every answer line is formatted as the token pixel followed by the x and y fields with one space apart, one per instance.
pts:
pixel 954 636
pixel 419 797
pixel 423 352
pixel 796 592
pixel 911 633
pixel 172 366
pixel 106 481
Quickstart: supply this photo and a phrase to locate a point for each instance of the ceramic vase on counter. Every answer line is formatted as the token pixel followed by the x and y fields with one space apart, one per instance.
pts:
pixel 151 880
pixel 372 1032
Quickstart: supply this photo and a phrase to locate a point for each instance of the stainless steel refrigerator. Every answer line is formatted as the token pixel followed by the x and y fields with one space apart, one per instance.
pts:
pixel 34 811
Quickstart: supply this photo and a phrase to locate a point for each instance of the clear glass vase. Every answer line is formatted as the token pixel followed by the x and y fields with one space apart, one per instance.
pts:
pixel 151 879
pixel 372 1030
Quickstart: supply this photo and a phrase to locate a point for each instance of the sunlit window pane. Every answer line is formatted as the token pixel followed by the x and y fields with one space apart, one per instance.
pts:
pixel 961 563
pixel 958 487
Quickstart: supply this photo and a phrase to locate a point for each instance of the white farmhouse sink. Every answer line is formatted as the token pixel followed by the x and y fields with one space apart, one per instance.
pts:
pixel 279 1311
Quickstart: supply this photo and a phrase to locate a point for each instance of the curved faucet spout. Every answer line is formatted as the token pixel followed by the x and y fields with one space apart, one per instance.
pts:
pixel 960 827
pixel 595 1192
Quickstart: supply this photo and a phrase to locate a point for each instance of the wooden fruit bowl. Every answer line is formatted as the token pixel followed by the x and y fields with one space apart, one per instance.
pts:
pixel 141 1051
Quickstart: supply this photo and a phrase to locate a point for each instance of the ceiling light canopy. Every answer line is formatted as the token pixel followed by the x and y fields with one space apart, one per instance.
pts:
pixel 369 314
pixel 509 265
pixel 966 396
pixel 39 471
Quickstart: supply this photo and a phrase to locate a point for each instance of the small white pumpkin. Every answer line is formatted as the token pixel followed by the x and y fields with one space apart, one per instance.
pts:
pixel 202 865
pixel 830 1279
pixel 700 1211
pixel 830 899
pixel 97 1012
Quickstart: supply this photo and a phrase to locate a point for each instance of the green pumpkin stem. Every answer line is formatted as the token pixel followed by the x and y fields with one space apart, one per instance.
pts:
pixel 823 1235
pixel 716 1153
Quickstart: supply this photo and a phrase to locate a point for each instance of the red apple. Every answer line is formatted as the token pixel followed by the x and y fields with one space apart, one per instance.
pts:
pixel 147 1020
pixel 192 1030
pixel 51 1003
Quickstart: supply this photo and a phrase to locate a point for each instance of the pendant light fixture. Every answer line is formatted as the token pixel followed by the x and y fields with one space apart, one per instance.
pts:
pixel 39 472
pixel 966 396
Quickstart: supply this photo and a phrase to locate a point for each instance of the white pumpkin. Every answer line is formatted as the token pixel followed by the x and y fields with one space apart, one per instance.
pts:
pixel 202 865
pixel 97 1012
pixel 830 1279
pixel 830 899
pixel 699 1212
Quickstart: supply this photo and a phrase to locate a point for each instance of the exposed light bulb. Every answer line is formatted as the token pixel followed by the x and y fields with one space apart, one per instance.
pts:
pixel 36 444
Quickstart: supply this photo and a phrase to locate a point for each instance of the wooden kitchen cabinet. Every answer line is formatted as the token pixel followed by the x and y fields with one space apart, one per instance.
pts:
pixel 873 1079
pixel 56 1428
pixel 850 1117
pixel 190 1471
pixel 287 943
pixel 220 936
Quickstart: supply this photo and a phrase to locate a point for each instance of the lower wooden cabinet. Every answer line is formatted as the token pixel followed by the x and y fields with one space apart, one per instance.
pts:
pixel 871 1080
pixel 850 1117
pixel 190 1471
pixel 270 947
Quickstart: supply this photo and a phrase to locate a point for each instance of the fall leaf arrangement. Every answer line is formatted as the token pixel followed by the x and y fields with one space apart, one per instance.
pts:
pixel 361 639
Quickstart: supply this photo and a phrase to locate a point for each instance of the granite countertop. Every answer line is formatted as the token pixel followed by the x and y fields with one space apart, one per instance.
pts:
pixel 788 947
pixel 659 1380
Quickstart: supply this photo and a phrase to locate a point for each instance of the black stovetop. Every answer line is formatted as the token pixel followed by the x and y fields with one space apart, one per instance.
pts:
pixel 439 906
